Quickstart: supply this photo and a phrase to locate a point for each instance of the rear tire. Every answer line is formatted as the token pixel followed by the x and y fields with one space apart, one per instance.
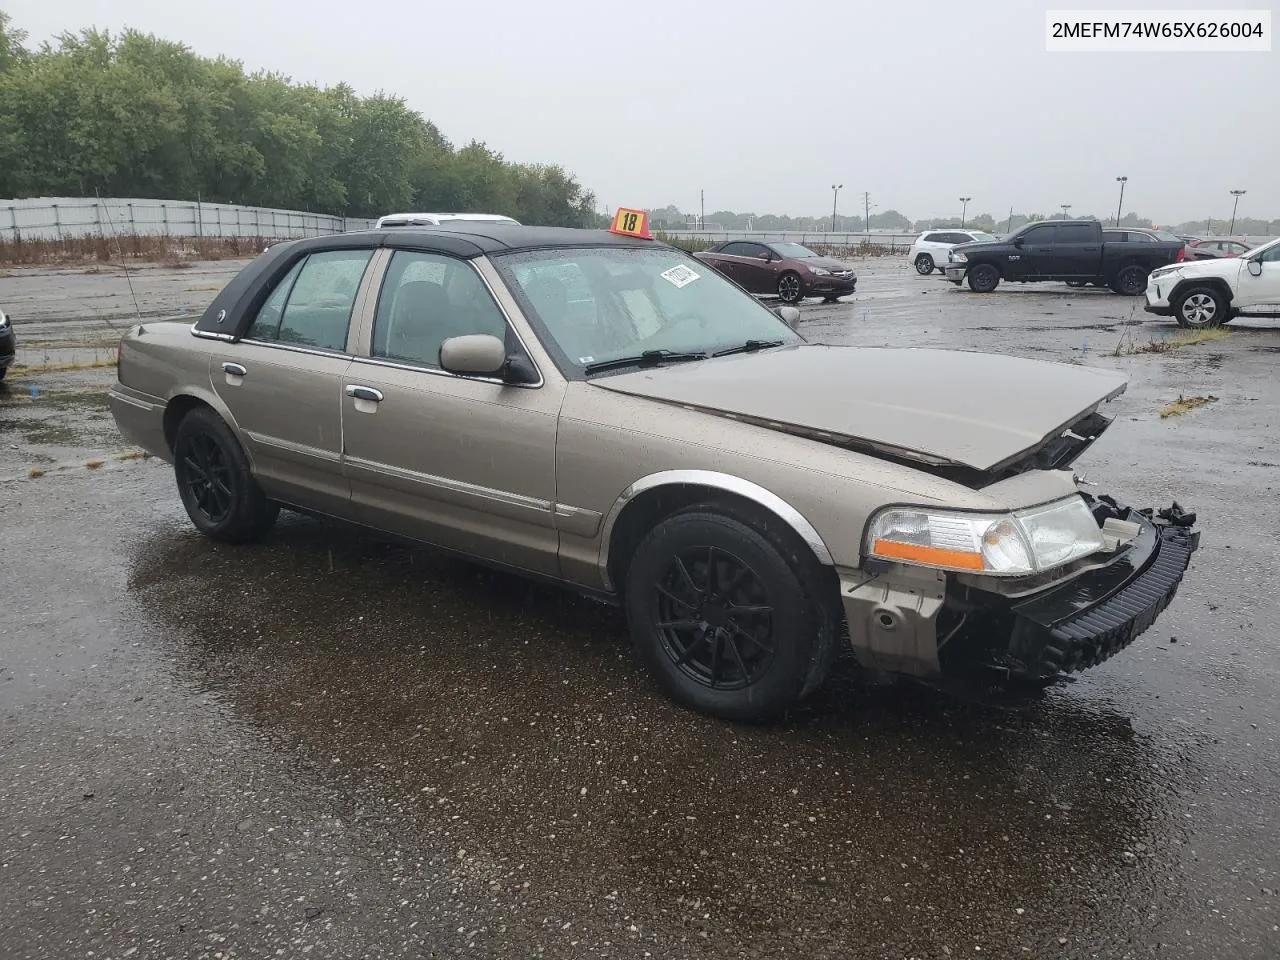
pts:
pixel 729 618
pixel 1202 307
pixel 216 483
pixel 924 264
pixel 983 278
pixel 1130 281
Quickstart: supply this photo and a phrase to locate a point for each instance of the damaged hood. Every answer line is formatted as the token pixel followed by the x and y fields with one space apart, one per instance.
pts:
pixel 941 407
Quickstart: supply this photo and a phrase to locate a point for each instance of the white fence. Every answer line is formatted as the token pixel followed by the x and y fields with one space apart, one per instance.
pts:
pixel 894 241
pixel 65 218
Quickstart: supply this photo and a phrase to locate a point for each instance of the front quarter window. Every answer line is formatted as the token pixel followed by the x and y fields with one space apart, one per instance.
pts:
pixel 596 305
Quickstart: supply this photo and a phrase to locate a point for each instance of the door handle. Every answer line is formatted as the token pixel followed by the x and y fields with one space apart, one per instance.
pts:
pixel 364 393
pixel 234 369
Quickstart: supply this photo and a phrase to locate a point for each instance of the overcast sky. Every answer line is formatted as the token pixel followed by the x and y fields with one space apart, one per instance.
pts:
pixel 649 101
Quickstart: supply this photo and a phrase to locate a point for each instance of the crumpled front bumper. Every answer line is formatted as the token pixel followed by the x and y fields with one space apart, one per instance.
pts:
pixel 1098 614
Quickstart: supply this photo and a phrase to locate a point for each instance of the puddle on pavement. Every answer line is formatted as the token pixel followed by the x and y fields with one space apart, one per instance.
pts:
pixel 54 424
pixel 510 720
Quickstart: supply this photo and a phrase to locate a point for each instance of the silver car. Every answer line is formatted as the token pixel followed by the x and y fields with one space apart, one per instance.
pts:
pixel 609 413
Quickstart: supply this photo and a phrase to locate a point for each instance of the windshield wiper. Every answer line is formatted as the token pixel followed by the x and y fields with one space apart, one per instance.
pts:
pixel 749 346
pixel 646 358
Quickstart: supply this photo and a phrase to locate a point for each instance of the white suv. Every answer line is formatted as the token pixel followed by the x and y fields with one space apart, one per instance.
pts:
pixel 1206 293
pixel 931 247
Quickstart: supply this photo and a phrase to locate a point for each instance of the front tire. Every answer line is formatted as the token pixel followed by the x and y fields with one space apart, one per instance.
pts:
pixel 1130 281
pixel 983 278
pixel 790 289
pixel 216 483
pixel 724 616
pixel 1202 307
pixel 924 264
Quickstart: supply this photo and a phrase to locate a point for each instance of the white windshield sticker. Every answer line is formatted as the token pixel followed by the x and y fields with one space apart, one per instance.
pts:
pixel 585 360
pixel 679 275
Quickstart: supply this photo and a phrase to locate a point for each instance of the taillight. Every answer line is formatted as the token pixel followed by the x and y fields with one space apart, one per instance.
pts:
pixel 1182 255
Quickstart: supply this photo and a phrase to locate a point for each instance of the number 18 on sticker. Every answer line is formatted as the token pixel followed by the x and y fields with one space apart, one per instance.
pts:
pixel 631 223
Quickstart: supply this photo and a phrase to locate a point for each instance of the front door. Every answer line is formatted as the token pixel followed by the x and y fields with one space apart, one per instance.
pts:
pixel 756 270
pixel 1260 294
pixel 466 463
pixel 283 381
pixel 1034 257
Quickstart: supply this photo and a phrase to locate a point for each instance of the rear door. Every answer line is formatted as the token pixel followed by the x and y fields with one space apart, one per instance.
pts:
pixel 1077 251
pixel 283 382
pixel 467 463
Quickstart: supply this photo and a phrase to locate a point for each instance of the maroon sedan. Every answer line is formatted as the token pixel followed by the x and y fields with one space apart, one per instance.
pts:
pixel 783 269
pixel 1214 249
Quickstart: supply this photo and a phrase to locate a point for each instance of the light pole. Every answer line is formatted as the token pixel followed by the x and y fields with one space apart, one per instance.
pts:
pixel 1237 194
pixel 1065 208
pixel 1120 206
pixel 835 198
pixel 964 208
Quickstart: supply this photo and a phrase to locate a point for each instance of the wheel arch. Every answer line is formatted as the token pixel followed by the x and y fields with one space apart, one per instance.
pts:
pixel 1187 283
pixel 183 401
pixel 657 495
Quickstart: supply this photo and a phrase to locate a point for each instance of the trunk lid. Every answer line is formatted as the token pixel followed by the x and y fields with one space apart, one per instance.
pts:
pixel 937 407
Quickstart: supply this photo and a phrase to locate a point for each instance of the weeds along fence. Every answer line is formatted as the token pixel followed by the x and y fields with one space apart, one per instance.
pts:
pixel 57 229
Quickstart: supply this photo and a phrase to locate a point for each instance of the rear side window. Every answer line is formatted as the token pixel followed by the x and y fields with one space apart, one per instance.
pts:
pixel 425 300
pixel 1076 233
pixel 738 249
pixel 311 306
pixel 935 238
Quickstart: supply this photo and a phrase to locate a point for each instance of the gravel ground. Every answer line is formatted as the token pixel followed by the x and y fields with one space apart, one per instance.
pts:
pixel 327 746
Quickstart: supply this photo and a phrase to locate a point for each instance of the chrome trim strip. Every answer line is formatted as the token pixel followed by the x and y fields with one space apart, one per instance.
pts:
pixel 310 351
pixel 211 335
pixel 434 371
pixel 456 486
pixel 140 404
pixel 292 447
pixel 720 481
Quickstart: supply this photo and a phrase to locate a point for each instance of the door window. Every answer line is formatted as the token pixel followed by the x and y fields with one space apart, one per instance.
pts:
pixel 426 299
pixel 1075 233
pixel 1270 255
pixel 1039 235
pixel 311 306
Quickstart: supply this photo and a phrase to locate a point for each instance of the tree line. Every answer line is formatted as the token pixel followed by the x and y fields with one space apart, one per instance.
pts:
pixel 671 218
pixel 132 115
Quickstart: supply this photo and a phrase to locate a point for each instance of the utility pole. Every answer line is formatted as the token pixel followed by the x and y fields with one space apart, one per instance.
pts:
pixel 1120 206
pixel 1237 194
pixel 835 197
pixel 866 208
pixel 1009 226
pixel 964 208
pixel 1065 208
pixel 702 205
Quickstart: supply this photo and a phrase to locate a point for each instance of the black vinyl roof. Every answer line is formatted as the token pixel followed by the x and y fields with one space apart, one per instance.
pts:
pixel 229 314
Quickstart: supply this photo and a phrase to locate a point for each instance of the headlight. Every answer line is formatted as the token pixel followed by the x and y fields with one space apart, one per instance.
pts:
pixel 1020 543
pixel 819 272
pixel 1164 271
pixel 4 320
pixel 957 257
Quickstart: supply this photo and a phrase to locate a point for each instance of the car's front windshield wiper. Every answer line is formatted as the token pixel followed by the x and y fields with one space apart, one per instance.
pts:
pixel 645 358
pixel 748 347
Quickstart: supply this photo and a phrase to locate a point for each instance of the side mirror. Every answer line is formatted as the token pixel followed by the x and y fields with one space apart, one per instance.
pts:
pixel 1017 241
pixel 476 354
pixel 790 316
pixel 1255 268
pixel 767 257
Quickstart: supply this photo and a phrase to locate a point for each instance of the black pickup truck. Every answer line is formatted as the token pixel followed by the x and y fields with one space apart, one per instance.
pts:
pixel 1072 250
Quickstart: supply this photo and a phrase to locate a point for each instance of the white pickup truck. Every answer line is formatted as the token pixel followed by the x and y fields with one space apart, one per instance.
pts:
pixel 1206 293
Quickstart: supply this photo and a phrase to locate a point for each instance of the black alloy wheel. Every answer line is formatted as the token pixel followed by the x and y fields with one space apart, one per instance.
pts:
pixel 714 617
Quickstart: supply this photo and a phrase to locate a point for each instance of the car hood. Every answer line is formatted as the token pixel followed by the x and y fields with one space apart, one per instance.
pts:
pixel 939 407
pixel 977 246
pixel 826 263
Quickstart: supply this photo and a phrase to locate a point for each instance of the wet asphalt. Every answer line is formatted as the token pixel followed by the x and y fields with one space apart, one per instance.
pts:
pixel 327 746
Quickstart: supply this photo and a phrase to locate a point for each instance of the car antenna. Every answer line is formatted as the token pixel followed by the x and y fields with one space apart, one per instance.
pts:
pixel 137 310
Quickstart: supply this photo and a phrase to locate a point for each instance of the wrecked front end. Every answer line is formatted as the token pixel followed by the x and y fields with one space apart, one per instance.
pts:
pixel 1022 630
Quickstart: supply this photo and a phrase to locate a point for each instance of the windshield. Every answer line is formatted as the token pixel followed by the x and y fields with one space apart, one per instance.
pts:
pixel 793 250
pixel 593 306
pixel 1166 235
